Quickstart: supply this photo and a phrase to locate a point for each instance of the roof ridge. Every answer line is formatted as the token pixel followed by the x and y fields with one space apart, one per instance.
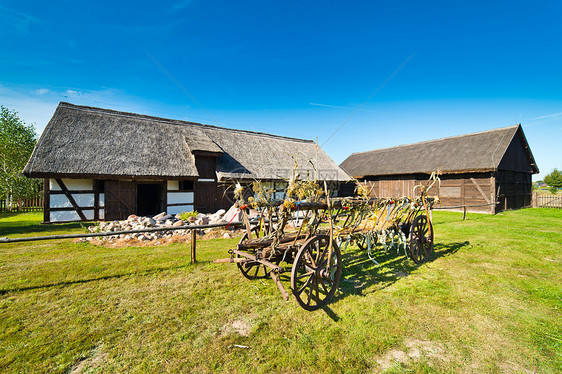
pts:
pixel 173 121
pixel 440 139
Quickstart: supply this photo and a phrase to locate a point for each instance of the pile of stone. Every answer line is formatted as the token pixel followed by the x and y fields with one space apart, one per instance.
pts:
pixel 162 220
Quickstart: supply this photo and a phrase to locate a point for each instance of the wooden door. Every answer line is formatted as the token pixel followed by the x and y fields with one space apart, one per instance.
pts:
pixel 206 186
pixel 205 197
pixel 120 200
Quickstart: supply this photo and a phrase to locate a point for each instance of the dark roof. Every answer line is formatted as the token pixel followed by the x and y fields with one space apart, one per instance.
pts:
pixel 476 152
pixel 80 140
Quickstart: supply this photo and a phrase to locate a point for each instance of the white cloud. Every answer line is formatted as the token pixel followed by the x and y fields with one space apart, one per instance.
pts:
pixel 37 105
pixel 31 108
pixel 14 22
pixel 41 91
pixel 553 115
pixel 73 93
pixel 344 107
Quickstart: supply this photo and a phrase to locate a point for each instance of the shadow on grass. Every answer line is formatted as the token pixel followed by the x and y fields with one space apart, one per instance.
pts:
pixel 330 313
pixel 82 281
pixel 24 227
pixel 360 276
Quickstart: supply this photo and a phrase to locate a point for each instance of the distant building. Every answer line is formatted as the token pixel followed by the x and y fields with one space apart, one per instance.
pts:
pixel 101 164
pixel 491 169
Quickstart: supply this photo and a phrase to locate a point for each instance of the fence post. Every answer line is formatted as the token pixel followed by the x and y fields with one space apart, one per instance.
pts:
pixel 193 246
pixel 464 213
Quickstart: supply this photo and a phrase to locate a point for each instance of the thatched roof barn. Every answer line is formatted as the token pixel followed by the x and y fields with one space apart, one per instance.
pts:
pixel 125 159
pixel 492 169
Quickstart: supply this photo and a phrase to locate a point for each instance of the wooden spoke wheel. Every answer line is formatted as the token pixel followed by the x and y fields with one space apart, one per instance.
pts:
pixel 314 278
pixel 421 239
pixel 361 242
pixel 252 269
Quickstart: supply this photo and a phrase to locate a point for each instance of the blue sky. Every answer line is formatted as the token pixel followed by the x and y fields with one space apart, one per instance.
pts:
pixel 415 70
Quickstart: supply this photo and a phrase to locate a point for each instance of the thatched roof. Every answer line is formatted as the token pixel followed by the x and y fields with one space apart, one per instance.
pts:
pixel 476 152
pixel 86 141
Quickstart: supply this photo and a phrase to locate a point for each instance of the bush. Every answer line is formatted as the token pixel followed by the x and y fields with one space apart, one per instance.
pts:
pixel 554 179
pixel 185 215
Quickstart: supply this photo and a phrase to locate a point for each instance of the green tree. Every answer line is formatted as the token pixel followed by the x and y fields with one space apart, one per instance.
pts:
pixel 554 180
pixel 17 140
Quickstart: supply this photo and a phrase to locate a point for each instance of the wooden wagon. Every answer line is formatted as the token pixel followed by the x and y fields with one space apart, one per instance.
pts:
pixel 304 237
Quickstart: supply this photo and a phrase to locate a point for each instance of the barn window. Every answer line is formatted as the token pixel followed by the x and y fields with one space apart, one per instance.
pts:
pixel 186 185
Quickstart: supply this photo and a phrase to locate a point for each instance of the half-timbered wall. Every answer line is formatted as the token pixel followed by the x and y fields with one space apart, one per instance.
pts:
pixel 93 200
pixel 72 200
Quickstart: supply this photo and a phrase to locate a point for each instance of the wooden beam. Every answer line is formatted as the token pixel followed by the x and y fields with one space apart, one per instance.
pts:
pixel 46 200
pixel 493 193
pixel 74 191
pixel 261 261
pixel 164 196
pixel 480 190
pixel 230 260
pixel 193 246
pixel 71 199
pixel 277 281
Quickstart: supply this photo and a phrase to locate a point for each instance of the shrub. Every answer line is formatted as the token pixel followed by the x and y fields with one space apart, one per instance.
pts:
pixel 185 215
pixel 554 179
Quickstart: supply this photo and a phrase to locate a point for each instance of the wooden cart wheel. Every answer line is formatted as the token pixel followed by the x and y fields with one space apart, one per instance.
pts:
pixel 252 269
pixel 361 243
pixel 420 240
pixel 313 280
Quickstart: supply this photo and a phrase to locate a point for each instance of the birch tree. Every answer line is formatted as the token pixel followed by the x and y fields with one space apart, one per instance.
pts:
pixel 17 140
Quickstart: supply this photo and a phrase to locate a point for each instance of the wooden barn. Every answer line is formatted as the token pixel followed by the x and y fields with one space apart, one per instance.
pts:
pixel 101 164
pixel 488 171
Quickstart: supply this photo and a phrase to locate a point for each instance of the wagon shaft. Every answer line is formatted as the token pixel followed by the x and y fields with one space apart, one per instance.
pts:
pixel 261 261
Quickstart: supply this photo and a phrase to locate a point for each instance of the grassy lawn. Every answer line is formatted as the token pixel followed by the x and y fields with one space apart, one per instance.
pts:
pixel 489 301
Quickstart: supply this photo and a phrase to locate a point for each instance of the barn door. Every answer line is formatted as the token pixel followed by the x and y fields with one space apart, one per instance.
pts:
pixel 120 199
pixel 206 186
pixel 205 197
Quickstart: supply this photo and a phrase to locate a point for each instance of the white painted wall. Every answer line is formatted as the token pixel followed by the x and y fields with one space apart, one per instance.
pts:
pixel 179 208
pixel 61 201
pixel 68 215
pixel 180 197
pixel 72 184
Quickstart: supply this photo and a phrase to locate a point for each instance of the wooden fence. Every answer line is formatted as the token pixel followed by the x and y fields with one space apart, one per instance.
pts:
pixel 25 205
pixel 547 201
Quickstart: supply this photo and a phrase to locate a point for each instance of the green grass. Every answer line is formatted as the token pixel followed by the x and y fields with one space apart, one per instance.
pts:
pixel 488 301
